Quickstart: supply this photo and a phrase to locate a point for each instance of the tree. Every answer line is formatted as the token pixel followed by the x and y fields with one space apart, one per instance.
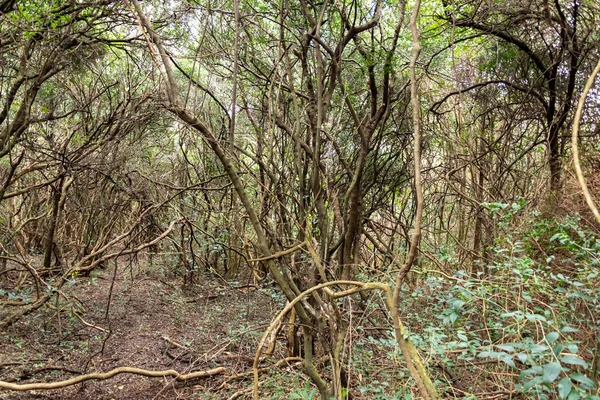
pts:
pixel 539 49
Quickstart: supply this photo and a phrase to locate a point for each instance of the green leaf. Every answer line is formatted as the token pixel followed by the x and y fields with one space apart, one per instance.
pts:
pixel 569 329
pixel 506 347
pixel 573 348
pixel 584 380
pixel 534 370
pixel 564 387
pixel 574 360
pixel 551 372
pixel 538 348
pixel 532 383
pixel 467 295
pixel 508 361
pixel 574 395
pixel 453 317
pixel 522 357
pixel 552 336
pixel 535 317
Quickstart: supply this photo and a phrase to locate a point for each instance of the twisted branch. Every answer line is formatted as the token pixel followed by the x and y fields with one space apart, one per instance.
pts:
pixel 107 375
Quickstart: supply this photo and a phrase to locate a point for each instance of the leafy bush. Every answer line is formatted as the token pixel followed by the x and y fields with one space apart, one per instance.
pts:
pixel 529 323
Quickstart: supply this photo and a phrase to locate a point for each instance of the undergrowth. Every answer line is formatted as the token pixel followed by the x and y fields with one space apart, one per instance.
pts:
pixel 526 325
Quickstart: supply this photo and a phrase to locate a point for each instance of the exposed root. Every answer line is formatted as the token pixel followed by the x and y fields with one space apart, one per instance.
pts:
pixel 107 375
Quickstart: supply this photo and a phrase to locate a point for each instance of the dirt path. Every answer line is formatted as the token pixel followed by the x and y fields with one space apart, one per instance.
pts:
pixel 153 324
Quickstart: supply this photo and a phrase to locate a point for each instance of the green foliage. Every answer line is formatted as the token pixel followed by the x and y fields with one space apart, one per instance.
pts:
pixel 304 394
pixel 375 382
pixel 531 314
pixel 282 389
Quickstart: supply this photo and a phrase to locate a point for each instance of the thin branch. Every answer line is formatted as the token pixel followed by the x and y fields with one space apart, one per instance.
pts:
pixel 281 253
pixel 515 86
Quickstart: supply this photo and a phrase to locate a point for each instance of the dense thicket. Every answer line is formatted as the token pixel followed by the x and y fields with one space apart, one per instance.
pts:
pixel 275 141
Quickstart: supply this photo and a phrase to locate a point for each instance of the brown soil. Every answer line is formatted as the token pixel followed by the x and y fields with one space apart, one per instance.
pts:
pixel 153 324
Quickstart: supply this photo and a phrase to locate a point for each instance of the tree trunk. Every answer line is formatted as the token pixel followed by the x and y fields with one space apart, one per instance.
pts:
pixel 52 225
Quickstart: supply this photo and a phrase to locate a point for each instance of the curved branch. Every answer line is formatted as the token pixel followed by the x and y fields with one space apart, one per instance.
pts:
pixel 200 86
pixel 409 352
pixel 575 149
pixel 281 253
pixel 107 375
pixel 509 39
pixel 520 88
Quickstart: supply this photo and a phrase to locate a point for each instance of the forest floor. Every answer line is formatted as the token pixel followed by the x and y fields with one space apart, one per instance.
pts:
pixel 462 325
pixel 153 323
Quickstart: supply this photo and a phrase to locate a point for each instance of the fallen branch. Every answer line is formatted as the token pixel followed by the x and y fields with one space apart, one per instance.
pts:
pixel 26 374
pixel 107 375
pixel 11 319
pixel 239 393
pixel 13 303
pixel 174 343
pixel 10 363
pixel 242 392
pixel 87 323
